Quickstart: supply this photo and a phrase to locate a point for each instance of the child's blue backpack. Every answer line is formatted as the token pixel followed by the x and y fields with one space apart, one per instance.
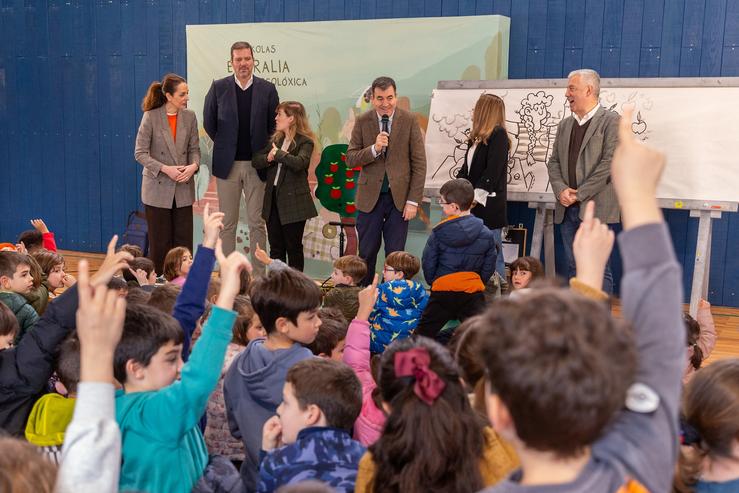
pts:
pixel 136 232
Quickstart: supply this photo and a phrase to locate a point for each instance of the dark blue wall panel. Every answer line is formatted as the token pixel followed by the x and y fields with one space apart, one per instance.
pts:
pixel 66 66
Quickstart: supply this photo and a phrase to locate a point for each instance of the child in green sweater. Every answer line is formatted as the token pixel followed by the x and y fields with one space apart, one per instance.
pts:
pixel 162 400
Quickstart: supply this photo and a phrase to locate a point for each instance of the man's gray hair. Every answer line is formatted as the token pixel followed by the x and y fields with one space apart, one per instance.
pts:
pixel 590 77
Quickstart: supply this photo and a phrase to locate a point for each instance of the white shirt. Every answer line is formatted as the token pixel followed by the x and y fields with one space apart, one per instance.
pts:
pixel 585 119
pixel 284 147
pixel 247 85
pixel 481 195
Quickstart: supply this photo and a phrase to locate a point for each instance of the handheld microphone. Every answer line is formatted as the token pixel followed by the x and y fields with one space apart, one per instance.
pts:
pixel 385 128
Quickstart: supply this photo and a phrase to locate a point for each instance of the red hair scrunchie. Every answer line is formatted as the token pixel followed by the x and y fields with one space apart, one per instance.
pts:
pixel 415 363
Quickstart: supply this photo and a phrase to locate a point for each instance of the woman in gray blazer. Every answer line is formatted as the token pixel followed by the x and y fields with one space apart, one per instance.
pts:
pixel 288 203
pixel 168 147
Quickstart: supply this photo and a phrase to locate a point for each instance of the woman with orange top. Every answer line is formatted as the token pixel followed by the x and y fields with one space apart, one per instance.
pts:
pixel 168 147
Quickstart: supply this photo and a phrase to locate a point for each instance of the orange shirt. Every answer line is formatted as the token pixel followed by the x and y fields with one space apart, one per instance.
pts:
pixel 173 125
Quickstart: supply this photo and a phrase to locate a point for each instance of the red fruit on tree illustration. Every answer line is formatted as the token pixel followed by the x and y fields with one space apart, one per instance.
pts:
pixel 337 183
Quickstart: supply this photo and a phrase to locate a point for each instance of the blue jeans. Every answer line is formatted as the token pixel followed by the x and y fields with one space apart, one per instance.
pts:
pixel 499 261
pixel 568 228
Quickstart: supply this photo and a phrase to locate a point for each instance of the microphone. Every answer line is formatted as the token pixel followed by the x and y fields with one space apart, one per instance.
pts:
pixel 385 128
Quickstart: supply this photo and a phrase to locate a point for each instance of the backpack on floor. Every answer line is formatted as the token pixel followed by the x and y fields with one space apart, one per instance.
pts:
pixel 136 232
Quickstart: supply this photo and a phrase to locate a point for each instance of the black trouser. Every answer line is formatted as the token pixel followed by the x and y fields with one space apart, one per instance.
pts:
pixel 285 240
pixel 167 228
pixel 444 306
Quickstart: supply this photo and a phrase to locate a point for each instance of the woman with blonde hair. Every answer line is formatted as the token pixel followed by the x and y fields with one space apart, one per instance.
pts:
pixel 486 167
pixel 288 203
pixel 168 147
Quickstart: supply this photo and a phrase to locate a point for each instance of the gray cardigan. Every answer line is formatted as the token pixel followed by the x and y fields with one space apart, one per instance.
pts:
pixel 155 148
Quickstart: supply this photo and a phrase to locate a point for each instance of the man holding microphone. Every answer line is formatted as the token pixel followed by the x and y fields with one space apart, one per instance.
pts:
pixel 388 145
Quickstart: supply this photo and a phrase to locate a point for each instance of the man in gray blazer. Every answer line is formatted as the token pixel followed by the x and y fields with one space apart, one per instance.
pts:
pixel 388 145
pixel 239 116
pixel 580 165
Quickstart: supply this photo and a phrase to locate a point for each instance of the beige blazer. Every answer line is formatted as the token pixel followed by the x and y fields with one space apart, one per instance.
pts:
pixel 405 163
pixel 155 148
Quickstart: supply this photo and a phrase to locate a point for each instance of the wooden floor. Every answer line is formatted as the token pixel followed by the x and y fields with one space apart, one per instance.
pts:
pixel 726 319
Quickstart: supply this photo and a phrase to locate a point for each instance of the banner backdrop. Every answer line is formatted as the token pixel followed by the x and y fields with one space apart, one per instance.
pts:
pixel 329 66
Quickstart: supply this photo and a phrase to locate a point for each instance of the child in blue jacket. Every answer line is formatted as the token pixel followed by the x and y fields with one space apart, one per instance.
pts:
pixel 458 260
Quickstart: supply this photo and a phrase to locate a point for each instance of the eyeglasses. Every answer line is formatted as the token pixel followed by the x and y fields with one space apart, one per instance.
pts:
pixel 442 202
pixel 388 269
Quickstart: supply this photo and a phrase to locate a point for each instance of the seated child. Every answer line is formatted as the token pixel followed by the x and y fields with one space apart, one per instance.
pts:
pixel 709 458
pixel 22 469
pixel 53 277
pixel 458 259
pixel 330 340
pixel 218 438
pixel 53 412
pixel 701 335
pixel 177 264
pixel 161 402
pixel 321 399
pixel 371 420
pixel 589 404
pixel 164 296
pixel 524 270
pixel 134 250
pixel 141 274
pixel 400 302
pixel 8 327
pixel 433 440
pixel 287 303
pixel 37 238
pixel 348 272
pixel 15 281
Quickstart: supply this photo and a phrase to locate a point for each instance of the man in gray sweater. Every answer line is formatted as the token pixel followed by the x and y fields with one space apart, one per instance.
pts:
pixel 590 404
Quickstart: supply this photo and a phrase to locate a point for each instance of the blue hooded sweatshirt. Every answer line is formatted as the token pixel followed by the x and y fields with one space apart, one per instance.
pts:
pixel 252 390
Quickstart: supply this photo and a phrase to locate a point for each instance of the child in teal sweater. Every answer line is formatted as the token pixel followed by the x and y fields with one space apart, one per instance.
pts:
pixel 163 449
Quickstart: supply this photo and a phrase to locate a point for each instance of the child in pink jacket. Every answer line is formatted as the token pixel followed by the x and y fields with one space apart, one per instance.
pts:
pixel 371 420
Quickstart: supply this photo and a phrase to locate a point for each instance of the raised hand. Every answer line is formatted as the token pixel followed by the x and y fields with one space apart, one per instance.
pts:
pixel 100 318
pixel 212 226
pixel 39 225
pixel 367 299
pixel 261 255
pixel 114 261
pixel 231 268
pixel 592 247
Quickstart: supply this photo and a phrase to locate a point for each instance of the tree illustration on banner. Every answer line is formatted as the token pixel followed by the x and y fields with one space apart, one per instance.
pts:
pixel 337 184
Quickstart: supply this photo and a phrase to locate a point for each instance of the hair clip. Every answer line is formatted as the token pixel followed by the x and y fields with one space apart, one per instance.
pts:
pixel 415 363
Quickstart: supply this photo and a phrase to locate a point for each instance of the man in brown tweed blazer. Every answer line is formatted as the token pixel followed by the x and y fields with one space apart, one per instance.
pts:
pixel 580 165
pixel 390 184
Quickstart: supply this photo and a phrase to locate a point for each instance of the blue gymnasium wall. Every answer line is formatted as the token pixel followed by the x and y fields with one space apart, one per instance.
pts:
pixel 73 72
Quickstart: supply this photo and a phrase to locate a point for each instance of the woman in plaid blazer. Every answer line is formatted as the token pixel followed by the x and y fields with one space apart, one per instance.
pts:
pixel 288 203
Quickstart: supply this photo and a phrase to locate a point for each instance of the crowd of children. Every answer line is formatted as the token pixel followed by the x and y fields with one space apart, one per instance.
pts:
pixel 129 381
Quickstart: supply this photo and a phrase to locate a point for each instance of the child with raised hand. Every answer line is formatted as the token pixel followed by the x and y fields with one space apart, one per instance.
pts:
pixel 287 303
pixel 190 303
pixel 91 455
pixel 26 368
pixel 37 238
pixel 321 400
pixel 163 449
pixel 589 405
pixel 433 440
pixel 371 419
pixel 709 459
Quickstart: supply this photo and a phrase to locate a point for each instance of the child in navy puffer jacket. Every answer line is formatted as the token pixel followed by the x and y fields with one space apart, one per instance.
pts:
pixel 458 260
